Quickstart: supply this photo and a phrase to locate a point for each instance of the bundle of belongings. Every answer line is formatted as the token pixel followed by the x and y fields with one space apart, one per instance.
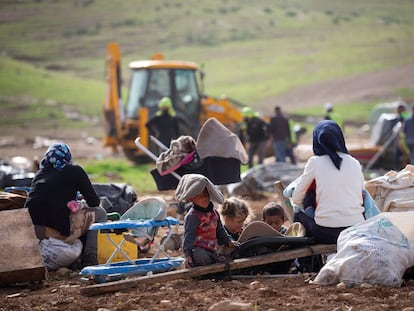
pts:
pixel 217 154
pixel 379 251
pixel 394 191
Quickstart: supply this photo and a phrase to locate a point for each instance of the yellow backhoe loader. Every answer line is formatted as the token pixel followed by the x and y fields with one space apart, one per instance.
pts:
pixel 150 81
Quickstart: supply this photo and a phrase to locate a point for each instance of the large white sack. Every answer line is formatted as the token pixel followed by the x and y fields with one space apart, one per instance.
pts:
pixel 377 251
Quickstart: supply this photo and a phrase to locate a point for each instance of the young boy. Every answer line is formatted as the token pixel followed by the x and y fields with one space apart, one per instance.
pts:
pixel 203 230
pixel 274 215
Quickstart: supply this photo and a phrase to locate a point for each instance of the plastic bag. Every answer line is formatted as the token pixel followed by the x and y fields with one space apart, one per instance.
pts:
pixel 58 254
pixel 374 252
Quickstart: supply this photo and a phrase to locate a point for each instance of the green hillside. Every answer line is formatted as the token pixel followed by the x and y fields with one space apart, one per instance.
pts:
pixel 251 50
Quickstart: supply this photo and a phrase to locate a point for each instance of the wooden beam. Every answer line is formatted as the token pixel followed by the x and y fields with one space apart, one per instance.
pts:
pixel 97 289
pixel 20 258
pixel 285 202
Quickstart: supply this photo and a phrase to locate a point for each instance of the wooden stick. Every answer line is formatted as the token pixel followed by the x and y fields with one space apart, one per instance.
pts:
pixel 97 289
pixel 285 202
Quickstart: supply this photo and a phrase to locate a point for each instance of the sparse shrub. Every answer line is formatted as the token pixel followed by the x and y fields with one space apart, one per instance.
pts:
pixel 268 10
pixel 222 11
pixel 336 20
pixel 291 14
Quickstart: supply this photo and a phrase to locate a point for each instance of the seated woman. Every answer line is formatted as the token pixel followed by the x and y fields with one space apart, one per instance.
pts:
pixel 339 184
pixel 52 202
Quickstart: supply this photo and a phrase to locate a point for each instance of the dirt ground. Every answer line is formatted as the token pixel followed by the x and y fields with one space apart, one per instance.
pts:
pixel 62 290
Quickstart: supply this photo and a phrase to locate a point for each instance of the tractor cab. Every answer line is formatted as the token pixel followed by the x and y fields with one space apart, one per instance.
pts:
pixel 150 81
pixel 154 79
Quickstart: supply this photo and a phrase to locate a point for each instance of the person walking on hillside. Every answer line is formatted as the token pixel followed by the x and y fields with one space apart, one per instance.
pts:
pixel 330 114
pixel 164 124
pixel 255 131
pixel 280 131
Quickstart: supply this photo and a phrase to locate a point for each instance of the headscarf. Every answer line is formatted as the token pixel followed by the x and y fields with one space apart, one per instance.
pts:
pixel 165 102
pixel 328 139
pixel 57 156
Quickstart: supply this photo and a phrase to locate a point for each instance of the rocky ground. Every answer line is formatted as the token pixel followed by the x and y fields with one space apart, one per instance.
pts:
pixel 62 289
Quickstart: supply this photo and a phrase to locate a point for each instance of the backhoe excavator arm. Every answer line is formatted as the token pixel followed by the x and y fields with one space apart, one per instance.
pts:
pixel 113 107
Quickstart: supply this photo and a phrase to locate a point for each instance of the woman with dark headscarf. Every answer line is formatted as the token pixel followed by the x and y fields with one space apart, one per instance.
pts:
pixel 338 185
pixel 52 201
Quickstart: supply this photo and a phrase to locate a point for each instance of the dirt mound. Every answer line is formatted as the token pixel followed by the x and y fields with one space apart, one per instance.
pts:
pixel 375 86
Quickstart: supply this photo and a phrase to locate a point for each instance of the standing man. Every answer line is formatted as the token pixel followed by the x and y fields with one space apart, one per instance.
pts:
pixel 408 130
pixel 280 131
pixel 255 131
pixel 333 115
pixel 399 143
pixel 293 142
pixel 164 125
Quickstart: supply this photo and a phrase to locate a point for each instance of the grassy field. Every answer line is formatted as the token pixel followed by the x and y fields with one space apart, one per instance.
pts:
pixel 250 50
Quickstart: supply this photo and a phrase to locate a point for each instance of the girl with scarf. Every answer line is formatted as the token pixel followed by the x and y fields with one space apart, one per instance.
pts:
pixel 338 182
pixel 52 202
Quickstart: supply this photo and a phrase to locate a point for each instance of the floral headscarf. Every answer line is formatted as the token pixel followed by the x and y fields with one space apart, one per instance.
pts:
pixel 57 156
pixel 328 139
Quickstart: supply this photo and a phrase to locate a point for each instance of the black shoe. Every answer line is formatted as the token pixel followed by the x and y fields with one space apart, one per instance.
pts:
pixel 89 260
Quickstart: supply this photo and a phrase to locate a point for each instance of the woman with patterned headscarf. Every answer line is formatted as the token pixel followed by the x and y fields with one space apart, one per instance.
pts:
pixel 52 201
pixel 338 182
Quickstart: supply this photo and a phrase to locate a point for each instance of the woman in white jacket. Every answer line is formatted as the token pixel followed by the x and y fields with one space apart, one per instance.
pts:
pixel 337 179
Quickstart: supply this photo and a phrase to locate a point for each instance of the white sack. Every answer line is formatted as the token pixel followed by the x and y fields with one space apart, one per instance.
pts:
pixel 375 252
pixel 58 254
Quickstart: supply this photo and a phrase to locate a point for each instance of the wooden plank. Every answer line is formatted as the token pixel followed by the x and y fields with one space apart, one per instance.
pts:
pixel 285 202
pixel 97 289
pixel 20 259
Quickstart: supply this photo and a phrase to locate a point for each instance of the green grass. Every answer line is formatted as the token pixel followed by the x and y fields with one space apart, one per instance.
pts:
pixel 49 88
pixel 251 50
pixel 121 171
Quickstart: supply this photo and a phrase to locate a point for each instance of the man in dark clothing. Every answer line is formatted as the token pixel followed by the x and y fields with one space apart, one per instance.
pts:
pixel 280 131
pixel 164 124
pixel 256 131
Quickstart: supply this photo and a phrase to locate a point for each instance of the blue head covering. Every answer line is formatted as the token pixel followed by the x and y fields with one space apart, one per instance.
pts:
pixel 57 156
pixel 328 139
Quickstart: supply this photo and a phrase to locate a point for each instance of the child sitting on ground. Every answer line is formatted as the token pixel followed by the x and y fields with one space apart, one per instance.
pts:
pixel 235 213
pixel 274 215
pixel 203 230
